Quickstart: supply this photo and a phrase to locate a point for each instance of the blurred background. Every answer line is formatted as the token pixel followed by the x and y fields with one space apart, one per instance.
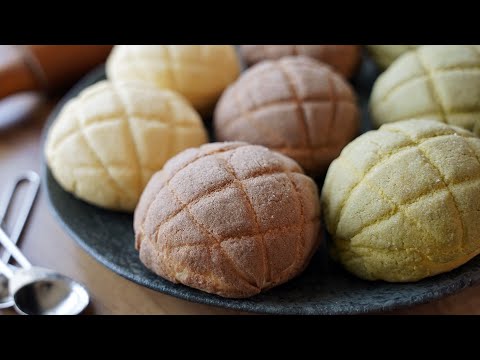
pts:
pixel 33 77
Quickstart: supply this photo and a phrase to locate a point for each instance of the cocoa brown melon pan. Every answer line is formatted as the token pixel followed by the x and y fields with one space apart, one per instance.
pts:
pixel 324 287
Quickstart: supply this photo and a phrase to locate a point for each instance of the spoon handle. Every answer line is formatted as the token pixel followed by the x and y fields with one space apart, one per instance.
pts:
pixel 33 181
pixel 14 250
pixel 4 269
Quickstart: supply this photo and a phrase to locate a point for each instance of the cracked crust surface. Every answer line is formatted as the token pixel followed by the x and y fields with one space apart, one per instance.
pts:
pixel 296 106
pixel 107 142
pixel 343 58
pixel 403 203
pixel 199 72
pixel 230 219
pixel 441 82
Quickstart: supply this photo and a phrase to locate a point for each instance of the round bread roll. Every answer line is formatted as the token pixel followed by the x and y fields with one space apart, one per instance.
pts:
pixel 199 72
pixel 438 81
pixel 385 55
pixel 230 219
pixel 106 143
pixel 402 203
pixel 294 105
pixel 343 58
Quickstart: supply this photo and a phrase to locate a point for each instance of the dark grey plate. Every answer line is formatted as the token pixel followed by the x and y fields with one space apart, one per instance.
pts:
pixel 324 288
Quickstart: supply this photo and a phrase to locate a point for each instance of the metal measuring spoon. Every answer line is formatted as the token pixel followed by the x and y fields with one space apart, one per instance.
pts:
pixel 39 291
pixel 32 178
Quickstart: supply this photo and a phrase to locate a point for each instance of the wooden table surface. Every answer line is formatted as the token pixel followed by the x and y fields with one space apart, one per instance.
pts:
pixel 46 244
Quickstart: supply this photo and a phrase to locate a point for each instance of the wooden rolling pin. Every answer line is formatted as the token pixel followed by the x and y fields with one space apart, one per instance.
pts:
pixel 46 67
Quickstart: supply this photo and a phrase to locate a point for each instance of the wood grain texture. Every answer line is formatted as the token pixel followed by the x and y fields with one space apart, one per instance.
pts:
pixel 46 244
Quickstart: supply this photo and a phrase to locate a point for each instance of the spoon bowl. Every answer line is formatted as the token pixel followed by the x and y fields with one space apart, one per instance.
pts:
pixel 33 290
pixel 38 291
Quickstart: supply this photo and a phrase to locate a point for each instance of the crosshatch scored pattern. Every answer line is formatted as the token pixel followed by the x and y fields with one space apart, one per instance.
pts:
pixel 296 106
pixel 231 177
pixel 128 123
pixel 432 76
pixel 406 145
pixel 213 68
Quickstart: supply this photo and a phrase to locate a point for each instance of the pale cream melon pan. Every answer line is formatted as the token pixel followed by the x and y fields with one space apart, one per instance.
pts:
pixel 403 203
pixel 107 142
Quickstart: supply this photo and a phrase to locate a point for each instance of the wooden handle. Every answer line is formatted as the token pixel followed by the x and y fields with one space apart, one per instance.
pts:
pixel 46 67
pixel 15 76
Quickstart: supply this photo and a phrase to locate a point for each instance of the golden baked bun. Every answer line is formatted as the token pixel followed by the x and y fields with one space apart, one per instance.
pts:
pixel 402 203
pixel 385 55
pixel 438 81
pixel 343 58
pixel 230 219
pixel 199 72
pixel 107 142
pixel 296 106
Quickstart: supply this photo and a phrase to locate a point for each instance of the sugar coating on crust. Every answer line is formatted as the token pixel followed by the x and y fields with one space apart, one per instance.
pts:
pixel 343 58
pixel 441 82
pixel 108 141
pixel 296 106
pixel 228 218
pixel 403 203
pixel 199 72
